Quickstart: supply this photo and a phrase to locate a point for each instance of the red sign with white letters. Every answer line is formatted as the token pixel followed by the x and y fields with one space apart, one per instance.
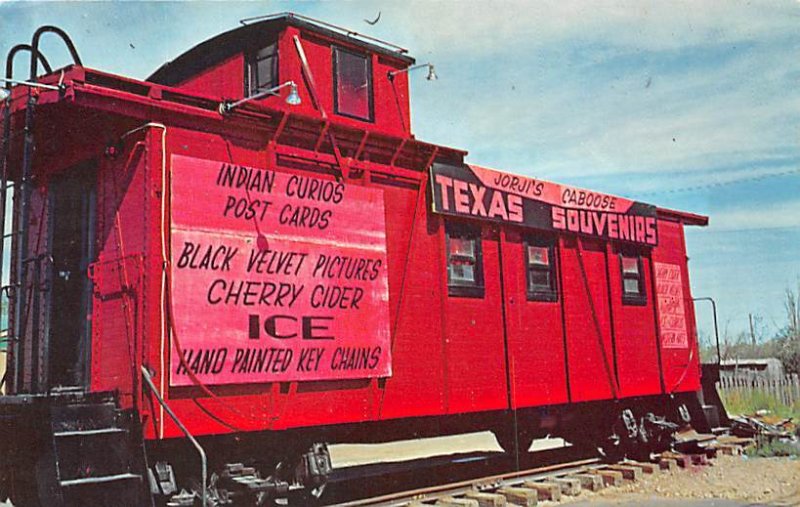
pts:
pixel 482 193
pixel 276 277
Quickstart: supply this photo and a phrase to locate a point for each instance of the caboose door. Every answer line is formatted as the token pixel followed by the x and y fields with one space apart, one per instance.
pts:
pixel 72 227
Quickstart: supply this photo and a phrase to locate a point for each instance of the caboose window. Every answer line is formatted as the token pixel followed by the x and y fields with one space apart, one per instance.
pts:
pixel 352 87
pixel 464 261
pixel 632 280
pixel 541 267
pixel 261 70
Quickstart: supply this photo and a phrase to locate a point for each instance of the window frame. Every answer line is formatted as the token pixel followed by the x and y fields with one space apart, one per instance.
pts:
pixel 370 84
pixel 458 288
pixel 251 62
pixel 549 295
pixel 629 298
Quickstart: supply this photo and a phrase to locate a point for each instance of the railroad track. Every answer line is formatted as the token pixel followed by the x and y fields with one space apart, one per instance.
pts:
pixel 555 482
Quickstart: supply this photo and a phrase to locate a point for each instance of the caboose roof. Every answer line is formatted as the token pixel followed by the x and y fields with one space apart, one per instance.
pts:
pixel 139 100
pixel 217 49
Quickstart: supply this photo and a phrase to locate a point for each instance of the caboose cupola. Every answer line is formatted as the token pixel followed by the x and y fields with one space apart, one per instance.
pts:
pixel 339 74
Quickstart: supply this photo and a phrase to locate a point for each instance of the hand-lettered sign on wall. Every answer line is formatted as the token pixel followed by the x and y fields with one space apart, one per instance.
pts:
pixel 276 277
pixel 485 194
pixel 671 308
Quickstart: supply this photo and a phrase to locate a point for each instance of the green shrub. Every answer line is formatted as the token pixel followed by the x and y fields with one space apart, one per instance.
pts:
pixel 774 448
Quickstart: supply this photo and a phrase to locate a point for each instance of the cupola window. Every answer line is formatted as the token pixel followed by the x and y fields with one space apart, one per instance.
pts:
pixel 352 84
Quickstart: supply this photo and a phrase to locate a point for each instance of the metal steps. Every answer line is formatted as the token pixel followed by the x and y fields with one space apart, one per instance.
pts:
pixel 99 431
pixel 98 455
pixel 99 480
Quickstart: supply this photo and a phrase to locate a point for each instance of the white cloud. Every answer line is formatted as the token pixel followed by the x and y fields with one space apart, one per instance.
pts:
pixel 767 216
pixel 743 108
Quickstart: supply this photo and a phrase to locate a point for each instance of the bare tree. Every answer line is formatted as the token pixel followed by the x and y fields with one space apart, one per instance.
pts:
pixel 790 336
pixel 792 313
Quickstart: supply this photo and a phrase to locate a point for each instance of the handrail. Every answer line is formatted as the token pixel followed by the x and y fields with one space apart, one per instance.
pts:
pixel 10 61
pixel 35 47
pixel 716 327
pixel 203 460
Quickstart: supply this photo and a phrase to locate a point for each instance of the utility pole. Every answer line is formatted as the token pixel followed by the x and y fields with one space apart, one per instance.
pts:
pixel 752 330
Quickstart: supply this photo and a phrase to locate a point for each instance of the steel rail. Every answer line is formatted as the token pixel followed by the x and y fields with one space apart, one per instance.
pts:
pixel 431 493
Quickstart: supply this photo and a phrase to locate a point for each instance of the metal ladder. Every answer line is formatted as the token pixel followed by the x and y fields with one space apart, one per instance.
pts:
pixel 17 288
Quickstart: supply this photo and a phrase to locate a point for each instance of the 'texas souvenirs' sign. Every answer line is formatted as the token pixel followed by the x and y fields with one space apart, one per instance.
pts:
pixel 275 276
pixel 478 192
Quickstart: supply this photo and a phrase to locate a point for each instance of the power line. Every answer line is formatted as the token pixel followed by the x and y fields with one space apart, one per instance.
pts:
pixel 705 186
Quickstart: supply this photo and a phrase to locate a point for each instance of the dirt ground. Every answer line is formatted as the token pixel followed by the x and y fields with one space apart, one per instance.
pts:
pixel 760 481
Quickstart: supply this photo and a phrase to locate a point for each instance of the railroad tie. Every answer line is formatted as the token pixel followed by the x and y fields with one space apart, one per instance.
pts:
pixel 729 449
pixel 668 464
pixel 545 490
pixel 647 468
pixel 449 501
pixel 682 460
pixel 610 477
pixel 592 482
pixel 630 473
pixel 523 497
pixel 569 485
pixel 487 499
pixel 698 459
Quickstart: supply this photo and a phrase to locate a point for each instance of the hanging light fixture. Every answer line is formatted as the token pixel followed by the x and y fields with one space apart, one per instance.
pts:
pixel 431 72
pixel 293 99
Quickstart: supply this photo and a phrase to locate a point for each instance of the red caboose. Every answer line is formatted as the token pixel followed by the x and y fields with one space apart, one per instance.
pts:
pixel 250 254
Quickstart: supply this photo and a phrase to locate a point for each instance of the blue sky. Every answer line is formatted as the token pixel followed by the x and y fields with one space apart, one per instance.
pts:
pixel 691 105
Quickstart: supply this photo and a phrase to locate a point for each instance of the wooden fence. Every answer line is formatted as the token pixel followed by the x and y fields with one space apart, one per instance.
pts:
pixel 785 390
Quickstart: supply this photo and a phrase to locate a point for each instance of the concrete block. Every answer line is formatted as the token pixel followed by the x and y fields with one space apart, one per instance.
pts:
pixel 487 499
pixel 546 490
pixel 569 485
pixel 592 482
pixel 449 501
pixel 523 497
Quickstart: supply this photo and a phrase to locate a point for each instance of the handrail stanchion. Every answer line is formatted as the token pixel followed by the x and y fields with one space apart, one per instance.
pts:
pixel 195 443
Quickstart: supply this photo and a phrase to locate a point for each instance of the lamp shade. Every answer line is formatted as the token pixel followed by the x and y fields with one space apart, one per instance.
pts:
pixel 293 99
